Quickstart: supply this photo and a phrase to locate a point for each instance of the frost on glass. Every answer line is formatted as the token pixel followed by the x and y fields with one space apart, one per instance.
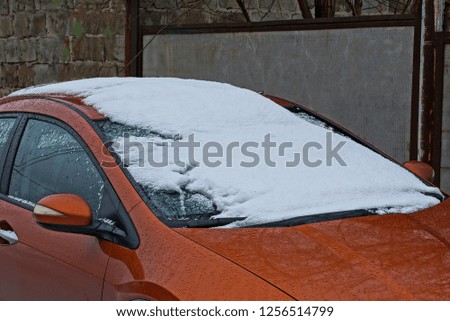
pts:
pixel 174 203
pixel 20 200
pixel 6 125
pixel 50 161
pixel 313 120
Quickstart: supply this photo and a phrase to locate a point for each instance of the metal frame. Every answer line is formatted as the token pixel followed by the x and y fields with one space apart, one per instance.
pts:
pixel 3 154
pixel 287 25
pixel 441 39
pixel 414 135
pixel 132 38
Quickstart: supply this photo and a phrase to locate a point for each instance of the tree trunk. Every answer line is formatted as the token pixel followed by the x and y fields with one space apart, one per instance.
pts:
pixel 358 7
pixel 355 7
pixel 324 8
pixel 304 8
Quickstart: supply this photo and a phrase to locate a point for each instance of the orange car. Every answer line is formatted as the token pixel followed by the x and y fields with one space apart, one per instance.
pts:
pixel 82 218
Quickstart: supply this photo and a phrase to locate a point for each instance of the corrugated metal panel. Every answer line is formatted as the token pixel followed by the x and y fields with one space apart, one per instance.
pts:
pixel 359 77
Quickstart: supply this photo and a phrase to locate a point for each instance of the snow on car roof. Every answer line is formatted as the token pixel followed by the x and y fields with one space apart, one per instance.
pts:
pixel 252 181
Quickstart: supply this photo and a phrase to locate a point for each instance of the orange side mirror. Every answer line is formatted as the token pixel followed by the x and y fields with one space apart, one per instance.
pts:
pixel 421 169
pixel 63 209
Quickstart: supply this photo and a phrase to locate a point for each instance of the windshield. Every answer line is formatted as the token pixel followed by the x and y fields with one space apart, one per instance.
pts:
pixel 181 199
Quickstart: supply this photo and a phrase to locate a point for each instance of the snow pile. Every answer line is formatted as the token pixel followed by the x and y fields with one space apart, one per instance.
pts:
pixel 9 235
pixel 172 109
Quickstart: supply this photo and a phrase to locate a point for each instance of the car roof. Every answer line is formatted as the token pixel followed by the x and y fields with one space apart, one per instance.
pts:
pixel 77 103
pixel 67 101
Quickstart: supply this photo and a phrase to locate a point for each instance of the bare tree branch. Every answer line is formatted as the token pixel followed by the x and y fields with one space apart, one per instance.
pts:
pixel 244 10
pixel 268 11
pixel 352 7
pixel 409 7
pixel 220 14
pixel 304 8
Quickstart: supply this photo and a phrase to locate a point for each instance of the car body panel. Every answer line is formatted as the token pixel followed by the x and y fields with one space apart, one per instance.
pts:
pixel 388 257
pixel 11 103
pixel 168 266
pixel 49 265
pixel 78 259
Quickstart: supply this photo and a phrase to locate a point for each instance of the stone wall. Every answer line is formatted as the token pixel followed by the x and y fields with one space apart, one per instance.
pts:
pixel 45 41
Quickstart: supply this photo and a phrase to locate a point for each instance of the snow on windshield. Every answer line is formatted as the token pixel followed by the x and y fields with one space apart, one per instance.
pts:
pixel 274 165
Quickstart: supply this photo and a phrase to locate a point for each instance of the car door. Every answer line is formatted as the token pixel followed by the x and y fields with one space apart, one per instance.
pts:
pixel 41 156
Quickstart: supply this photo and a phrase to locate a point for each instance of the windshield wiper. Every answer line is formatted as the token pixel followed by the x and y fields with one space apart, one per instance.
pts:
pixel 315 218
pixel 203 222
pixel 440 197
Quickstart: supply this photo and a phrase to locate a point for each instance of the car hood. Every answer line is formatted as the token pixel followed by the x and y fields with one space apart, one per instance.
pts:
pixel 386 257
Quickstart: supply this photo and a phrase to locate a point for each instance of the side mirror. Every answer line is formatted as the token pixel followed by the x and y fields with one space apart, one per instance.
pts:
pixel 63 209
pixel 421 169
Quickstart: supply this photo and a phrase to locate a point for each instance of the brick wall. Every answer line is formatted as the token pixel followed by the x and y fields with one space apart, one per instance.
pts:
pixel 45 41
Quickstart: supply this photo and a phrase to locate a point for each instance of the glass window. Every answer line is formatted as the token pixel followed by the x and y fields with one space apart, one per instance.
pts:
pixel 50 161
pixel 6 125
pixel 173 204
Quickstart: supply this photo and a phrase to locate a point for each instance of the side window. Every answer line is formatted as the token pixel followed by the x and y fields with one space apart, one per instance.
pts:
pixel 50 161
pixel 6 125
